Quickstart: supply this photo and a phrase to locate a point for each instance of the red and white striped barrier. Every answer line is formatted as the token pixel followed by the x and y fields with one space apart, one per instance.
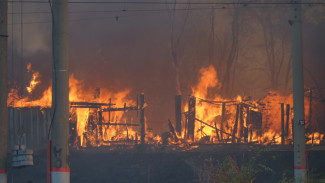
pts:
pixel 3 176
pixel 60 175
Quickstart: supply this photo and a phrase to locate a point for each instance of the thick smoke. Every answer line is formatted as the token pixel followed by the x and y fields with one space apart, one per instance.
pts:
pixel 128 48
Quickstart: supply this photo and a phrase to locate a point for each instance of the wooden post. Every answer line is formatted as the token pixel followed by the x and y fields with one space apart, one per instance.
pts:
pixel 241 126
pixel 247 122
pixel 223 116
pixel 282 124
pixel 191 118
pixel 178 114
pixel 310 106
pixel 234 132
pixel 142 123
pixel 287 119
pixel 217 133
pixel 100 121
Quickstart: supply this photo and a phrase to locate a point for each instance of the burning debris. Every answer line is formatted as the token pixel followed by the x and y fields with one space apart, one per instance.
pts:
pixel 99 117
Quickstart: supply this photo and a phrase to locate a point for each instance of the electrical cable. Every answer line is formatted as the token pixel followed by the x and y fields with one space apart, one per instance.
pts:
pixel 180 3
pixel 54 80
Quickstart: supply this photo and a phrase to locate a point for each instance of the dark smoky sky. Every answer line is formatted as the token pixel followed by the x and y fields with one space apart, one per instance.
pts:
pixel 131 49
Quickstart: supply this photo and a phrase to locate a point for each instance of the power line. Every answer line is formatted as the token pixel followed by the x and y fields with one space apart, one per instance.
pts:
pixel 151 10
pixel 179 3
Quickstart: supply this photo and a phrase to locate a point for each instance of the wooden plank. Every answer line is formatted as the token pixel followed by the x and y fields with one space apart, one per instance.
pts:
pixel 214 127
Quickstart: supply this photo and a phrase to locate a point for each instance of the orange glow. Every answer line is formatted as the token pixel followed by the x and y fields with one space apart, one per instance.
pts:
pixel 33 82
pixel 242 129
pixel 269 107
pixel 78 92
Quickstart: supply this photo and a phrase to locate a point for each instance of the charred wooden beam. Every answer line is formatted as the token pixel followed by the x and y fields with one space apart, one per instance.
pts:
pixel 100 122
pixel 121 124
pixel 172 129
pixel 287 119
pixel 143 127
pixel 236 125
pixel 191 118
pixel 92 104
pixel 214 127
pixel 223 116
pixel 282 124
pixel 241 120
pixel 217 133
pixel 310 107
pixel 125 108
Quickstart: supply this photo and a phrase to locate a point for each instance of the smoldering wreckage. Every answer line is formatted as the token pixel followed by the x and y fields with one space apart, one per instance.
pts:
pixel 99 117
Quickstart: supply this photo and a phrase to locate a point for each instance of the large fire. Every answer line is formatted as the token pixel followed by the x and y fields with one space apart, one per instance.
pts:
pixel 217 119
pixel 84 116
pixel 248 129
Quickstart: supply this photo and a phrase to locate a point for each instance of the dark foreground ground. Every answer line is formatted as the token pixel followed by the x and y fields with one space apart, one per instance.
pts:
pixel 142 166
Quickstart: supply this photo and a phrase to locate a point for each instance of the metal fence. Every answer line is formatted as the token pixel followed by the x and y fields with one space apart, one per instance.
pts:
pixel 28 126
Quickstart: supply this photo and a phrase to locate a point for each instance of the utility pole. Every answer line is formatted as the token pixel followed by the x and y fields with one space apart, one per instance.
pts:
pixel 3 89
pixel 300 166
pixel 60 165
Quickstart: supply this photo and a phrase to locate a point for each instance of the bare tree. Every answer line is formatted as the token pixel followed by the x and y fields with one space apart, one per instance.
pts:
pixel 277 45
pixel 222 52
pixel 175 40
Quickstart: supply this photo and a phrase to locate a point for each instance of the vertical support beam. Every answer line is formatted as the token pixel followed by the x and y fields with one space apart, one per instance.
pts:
pixel 234 132
pixel 109 111
pixel 142 122
pixel 246 130
pixel 241 122
pixel 178 114
pixel 223 116
pixel 100 121
pixel 282 124
pixel 3 89
pixel 300 165
pixel 60 165
pixel 191 118
pixel 287 118
pixel 310 106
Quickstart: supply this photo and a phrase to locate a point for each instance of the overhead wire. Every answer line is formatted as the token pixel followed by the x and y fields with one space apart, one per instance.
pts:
pixel 184 3
pixel 125 11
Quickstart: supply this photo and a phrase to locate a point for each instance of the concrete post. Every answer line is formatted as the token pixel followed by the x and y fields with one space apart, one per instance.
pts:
pixel 300 166
pixel 60 165
pixel 3 89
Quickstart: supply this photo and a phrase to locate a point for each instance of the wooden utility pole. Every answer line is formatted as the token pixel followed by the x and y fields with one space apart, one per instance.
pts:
pixel 300 165
pixel 3 89
pixel 60 165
